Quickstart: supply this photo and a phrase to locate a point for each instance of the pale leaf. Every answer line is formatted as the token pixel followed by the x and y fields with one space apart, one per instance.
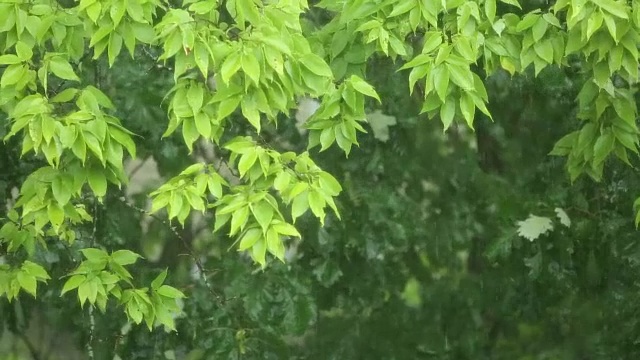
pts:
pixel 564 218
pixel 534 226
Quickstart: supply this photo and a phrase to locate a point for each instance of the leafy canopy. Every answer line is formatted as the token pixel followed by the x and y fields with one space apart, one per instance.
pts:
pixel 240 62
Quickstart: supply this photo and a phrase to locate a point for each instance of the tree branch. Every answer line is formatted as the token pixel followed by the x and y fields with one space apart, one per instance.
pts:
pixel 32 349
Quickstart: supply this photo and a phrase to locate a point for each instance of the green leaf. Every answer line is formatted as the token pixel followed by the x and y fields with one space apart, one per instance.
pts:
pixel 230 66
pixel 117 11
pixel 284 228
pixel 418 62
pixel 246 162
pixel 251 113
pixel 240 145
pixel 56 215
pixel 202 7
pixel 201 56
pixel 27 282
pixel 465 49
pixel 135 11
pixel 189 133
pixel 263 213
pixel 327 137
pixel 129 37
pixel 228 106
pixel 329 184
pixel 463 77
pixel 134 312
pixel 124 139
pixel 79 148
pixel 94 10
pixel 120 271
pixel 65 95
pixel 587 135
pixel 512 2
pixel 36 270
pixel 159 280
pixel 398 46
pixel 363 87
pixel 626 111
pixel 195 97
pixel 432 41
pixel 416 74
pixel 441 81
pixel 48 128
pixel 23 51
pixel 615 8
pixel 193 169
pixel 447 112
pixel 9 59
pixel 115 46
pixel 611 26
pixel 72 283
pixel 170 292
pixel 124 257
pixel 565 144
pixel 603 146
pixel 403 7
pixel 12 74
pixel 239 220
pixel 551 19
pixel 214 184
pixel 628 140
pixel 275 245
pixel 282 181
pixel 160 201
pixel 62 69
pixel 93 254
pixel 97 182
pixel 99 96
pixel 61 187
pixel 203 124
pixel 259 252
pixel 300 205
pixel 100 34
pixel 83 292
pixel 467 107
pixel 249 239
pixel 194 196
pixel 544 49
pixel 527 21
pixel 176 203
pixel 317 203
pixel 251 67
pixel 444 54
pixel 490 9
pixel 539 28
pixel 414 18
pixel 316 65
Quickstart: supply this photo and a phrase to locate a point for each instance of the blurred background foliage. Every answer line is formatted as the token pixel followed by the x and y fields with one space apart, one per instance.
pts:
pixel 426 263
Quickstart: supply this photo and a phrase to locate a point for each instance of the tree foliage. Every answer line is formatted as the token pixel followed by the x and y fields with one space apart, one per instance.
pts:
pixel 353 247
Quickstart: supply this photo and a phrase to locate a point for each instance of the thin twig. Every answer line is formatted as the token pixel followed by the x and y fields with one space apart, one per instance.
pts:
pixel 92 325
pixel 137 168
pixel 175 232
pixel 92 321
